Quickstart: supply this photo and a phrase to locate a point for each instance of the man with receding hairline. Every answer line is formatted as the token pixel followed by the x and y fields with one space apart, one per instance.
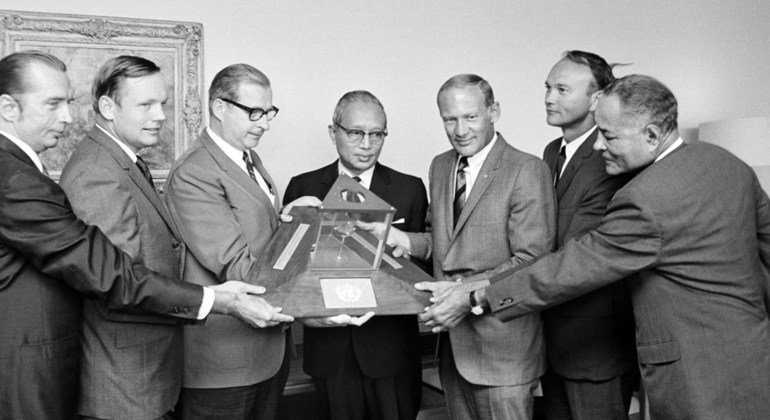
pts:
pixel 225 205
pixel 48 256
pixel 694 225
pixel 589 341
pixel 365 369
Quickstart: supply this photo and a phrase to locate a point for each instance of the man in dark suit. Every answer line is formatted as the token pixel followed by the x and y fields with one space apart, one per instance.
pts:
pixel 589 341
pixel 222 200
pixel 370 370
pixel 48 256
pixel 492 208
pixel 694 225
pixel 131 365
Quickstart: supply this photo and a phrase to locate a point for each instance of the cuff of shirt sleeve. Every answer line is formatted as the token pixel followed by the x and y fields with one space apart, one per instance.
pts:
pixel 206 304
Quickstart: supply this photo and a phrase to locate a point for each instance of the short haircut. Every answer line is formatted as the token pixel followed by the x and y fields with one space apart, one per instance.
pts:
pixel 362 96
pixel 14 66
pixel 110 77
pixel 229 79
pixel 642 95
pixel 601 71
pixel 467 80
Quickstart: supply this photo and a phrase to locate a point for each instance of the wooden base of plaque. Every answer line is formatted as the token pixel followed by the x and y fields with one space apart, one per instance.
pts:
pixel 292 286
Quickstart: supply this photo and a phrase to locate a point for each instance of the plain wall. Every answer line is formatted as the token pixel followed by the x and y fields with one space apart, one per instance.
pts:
pixel 713 54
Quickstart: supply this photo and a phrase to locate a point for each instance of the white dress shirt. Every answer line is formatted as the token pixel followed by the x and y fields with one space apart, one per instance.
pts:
pixel 474 166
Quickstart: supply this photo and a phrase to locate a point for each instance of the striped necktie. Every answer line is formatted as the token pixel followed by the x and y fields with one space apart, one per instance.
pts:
pixel 250 170
pixel 459 201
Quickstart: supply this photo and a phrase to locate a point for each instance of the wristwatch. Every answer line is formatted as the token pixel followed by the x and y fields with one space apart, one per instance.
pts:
pixel 476 308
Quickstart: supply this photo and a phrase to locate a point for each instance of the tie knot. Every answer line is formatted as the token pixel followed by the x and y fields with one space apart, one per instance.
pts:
pixel 357 178
pixel 462 164
pixel 563 151
pixel 246 157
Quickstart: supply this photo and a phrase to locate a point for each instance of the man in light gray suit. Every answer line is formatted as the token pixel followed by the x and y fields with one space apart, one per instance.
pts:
pixel 694 224
pixel 226 208
pixel 492 208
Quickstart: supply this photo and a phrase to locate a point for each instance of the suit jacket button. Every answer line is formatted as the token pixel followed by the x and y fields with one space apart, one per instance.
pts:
pixel 186 309
pixel 175 309
pixel 506 301
pixel 175 245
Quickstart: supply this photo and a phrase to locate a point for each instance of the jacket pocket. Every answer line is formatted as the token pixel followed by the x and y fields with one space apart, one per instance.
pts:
pixel 652 354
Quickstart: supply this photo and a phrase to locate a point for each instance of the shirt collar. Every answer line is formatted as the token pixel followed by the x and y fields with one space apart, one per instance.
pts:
pixel 366 176
pixel 27 149
pixel 234 154
pixel 571 147
pixel 122 145
pixel 670 149
pixel 478 159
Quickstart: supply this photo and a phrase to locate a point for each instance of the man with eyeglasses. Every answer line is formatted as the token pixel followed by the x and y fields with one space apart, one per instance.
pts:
pixel 226 208
pixel 369 370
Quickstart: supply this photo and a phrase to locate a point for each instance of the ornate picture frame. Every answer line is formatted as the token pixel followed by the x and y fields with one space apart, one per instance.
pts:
pixel 85 42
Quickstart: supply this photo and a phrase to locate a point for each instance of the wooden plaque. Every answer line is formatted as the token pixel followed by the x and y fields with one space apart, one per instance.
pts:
pixel 297 289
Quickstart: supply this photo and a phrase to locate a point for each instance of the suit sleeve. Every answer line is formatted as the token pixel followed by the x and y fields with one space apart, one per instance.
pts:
pixel 199 206
pixel 37 221
pixel 628 240
pixel 292 192
pixel 419 208
pixel 99 199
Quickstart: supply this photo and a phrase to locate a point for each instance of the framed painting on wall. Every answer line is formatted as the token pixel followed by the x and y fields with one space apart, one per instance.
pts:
pixel 84 43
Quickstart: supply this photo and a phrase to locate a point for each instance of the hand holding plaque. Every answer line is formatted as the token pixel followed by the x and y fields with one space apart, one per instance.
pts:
pixel 323 264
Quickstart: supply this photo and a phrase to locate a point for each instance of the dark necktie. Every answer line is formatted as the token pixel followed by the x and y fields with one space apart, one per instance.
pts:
pixel 250 170
pixel 145 170
pixel 45 171
pixel 460 188
pixel 560 164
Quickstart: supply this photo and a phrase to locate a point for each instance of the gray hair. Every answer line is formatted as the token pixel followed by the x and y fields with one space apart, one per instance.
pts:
pixel 229 79
pixel 361 96
pixel 646 96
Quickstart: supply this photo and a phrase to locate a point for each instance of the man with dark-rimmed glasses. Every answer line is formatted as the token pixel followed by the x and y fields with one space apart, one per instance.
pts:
pixel 226 208
pixel 371 370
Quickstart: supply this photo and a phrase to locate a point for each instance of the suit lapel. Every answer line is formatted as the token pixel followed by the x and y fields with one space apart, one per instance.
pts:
pixel 484 178
pixel 583 152
pixel 15 151
pixel 266 176
pixel 124 161
pixel 380 181
pixel 238 175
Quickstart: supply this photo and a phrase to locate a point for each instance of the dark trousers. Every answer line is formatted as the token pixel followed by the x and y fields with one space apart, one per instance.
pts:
pixel 348 394
pixel 252 402
pixel 569 399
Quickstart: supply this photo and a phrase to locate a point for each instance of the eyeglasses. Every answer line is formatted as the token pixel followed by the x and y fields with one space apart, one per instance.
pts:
pixel 355 136
pixel 255 114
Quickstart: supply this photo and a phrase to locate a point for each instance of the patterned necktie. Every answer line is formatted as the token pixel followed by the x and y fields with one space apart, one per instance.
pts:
pixel 250 170
pixel 560 164
pixel 459 201
pixel 145 170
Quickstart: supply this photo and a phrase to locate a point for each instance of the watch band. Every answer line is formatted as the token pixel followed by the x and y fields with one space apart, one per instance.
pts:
pixel 476 309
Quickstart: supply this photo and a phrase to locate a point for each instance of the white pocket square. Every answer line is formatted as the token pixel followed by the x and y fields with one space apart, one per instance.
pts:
pixel 401 220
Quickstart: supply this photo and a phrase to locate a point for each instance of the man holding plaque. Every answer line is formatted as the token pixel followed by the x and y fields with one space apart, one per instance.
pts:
pixel 694 224
pixel 371 369
pixel 223 202
pixel 492 208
